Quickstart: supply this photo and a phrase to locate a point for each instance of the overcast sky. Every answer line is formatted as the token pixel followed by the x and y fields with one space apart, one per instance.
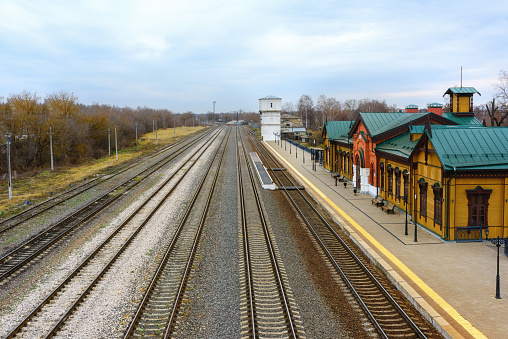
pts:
pixel 182 55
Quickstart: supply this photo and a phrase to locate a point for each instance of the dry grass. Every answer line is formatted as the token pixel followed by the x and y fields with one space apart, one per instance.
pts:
pixel 37 187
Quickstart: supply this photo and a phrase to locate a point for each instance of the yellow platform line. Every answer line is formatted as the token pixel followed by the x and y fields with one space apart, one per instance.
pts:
pixel 426 288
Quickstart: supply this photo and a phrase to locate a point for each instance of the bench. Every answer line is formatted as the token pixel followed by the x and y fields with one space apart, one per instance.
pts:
pixel 388 208
pixel 337 176
pixel 378 201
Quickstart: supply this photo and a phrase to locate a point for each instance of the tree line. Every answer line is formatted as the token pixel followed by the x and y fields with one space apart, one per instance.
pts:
pixel 330 109
pixel 494 113
pixel 79 132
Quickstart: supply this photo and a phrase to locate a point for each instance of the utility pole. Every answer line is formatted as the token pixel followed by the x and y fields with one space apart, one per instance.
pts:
pixel 174 127
pixel 51 145
pixel 9 164
pixel 116 145
pixel 136 133
pixel 109 141
pixel 156 140
pixel 213 102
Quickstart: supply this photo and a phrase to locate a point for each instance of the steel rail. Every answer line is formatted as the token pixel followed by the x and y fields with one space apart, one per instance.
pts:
pixel 160 268
pixel 192 253
pixel 397 307
pixel 281 287
pixel 250 289
pixel 150 170
pixel 78 190
pixel 105 242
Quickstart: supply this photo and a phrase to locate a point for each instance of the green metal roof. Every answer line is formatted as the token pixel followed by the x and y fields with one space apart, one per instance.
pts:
pixel 461 90
pixel 462 120
pixel 334 129
pixel 471 147
pixel 417 129
pixel 399 145
pixel 435 104
pixel 412 106
pixel 378 123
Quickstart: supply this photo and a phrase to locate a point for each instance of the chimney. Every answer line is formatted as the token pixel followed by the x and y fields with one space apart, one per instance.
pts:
pixel 411 109
pixel 435 108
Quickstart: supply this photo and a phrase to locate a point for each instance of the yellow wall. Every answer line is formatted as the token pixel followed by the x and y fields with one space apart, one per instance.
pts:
pixel 431 172
pixel 464 104
pixel 397 201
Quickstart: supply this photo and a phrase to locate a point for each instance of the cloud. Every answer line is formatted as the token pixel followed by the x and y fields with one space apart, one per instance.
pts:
pixel 182 55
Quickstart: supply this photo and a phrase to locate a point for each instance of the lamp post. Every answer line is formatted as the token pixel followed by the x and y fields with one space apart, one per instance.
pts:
pixel 416 229
pixel 51 146
pixel 9 140
pixel 498 242
pixel 116 145
pixel 405 200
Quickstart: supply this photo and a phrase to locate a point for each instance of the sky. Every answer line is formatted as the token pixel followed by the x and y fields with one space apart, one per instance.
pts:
pixel 184 54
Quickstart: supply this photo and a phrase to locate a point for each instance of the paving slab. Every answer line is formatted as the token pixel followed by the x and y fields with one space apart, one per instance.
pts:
pixel 453 284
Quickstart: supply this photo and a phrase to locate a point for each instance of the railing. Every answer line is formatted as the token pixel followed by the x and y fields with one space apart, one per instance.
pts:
pixel 469 234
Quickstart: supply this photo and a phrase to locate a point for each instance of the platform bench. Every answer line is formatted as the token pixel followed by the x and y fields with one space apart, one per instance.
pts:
pixel 388 208
pixel 378 201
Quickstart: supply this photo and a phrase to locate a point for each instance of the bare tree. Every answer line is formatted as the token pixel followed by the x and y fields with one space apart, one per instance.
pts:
pixel 329 108
pixel 288 108
pixel 305 109
pixel 500 115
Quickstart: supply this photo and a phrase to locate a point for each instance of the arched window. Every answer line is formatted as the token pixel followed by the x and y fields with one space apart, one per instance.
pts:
pixel 382 176
pixel 371 174
pixel 389 170
pixel 423 197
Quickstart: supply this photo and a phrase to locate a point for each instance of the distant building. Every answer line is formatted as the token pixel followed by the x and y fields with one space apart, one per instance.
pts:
pixel 270 108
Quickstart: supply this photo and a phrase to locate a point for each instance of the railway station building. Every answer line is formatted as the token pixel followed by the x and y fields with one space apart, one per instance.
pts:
pixel 450 170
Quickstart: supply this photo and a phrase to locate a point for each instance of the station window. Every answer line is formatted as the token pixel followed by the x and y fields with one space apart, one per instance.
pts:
pixel 406 185
pixel 390 180
pixel 382 176
pixel 423 197
pixel 478 205
pixel 438 203
pixel 397 183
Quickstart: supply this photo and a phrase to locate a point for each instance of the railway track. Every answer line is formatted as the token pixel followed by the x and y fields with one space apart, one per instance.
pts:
pixel 63 301
pixel 270 311
pixel 389 312
pixel 24 254
pixel 157 312
pixel 41 207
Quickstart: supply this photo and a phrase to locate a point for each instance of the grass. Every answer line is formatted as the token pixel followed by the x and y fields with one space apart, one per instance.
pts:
pixel 37 187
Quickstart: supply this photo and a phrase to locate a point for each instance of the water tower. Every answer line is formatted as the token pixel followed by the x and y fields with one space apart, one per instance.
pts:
pixel 269 110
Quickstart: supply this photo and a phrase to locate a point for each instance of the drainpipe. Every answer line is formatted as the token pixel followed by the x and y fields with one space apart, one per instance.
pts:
pixel 448 204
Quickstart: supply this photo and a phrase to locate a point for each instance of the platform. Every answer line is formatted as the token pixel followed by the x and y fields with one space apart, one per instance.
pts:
pixel 453 284
pixel 264 177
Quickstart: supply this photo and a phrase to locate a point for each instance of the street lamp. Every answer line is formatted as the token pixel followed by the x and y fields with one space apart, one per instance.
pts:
pixel 9 140
pixel 405 200
pixel 498 242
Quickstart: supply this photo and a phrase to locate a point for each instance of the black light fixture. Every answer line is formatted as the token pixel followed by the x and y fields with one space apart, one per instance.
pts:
pixel 345 184
pixel 498 241
pixel 354 190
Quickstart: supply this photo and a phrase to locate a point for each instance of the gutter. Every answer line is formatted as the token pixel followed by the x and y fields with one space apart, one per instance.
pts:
pixel 448 204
